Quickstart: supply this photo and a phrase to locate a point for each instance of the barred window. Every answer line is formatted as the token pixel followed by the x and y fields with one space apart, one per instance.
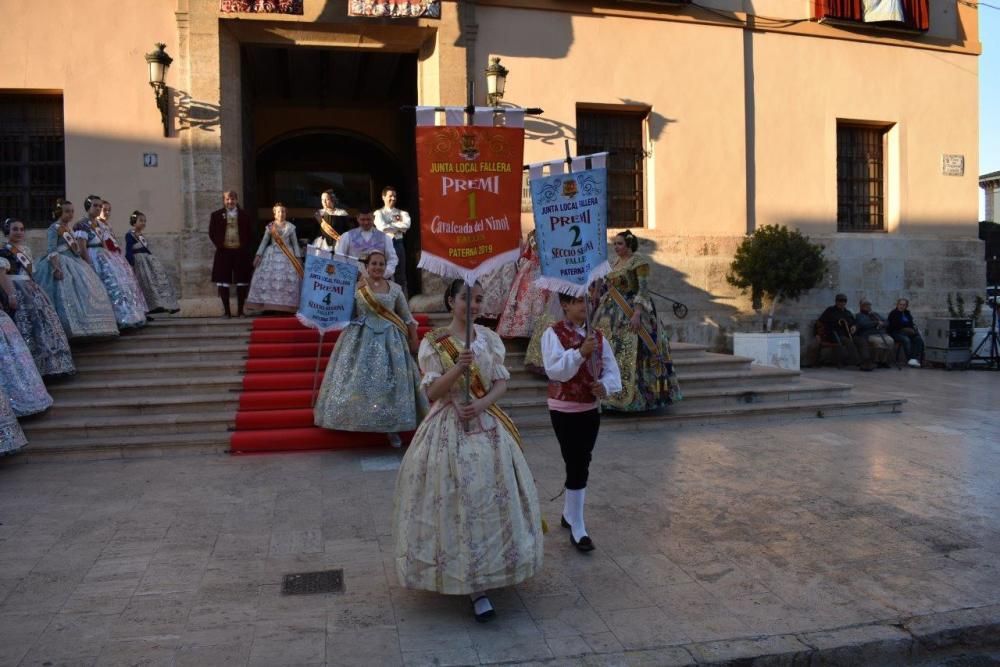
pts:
pixel 620 132
pixel 860 178
pixel 32 157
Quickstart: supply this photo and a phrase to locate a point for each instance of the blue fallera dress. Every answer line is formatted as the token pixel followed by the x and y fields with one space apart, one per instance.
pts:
pixel 126 298
pixel 372 383
pixel 79 298
pixel 11 436
pixel 35 317
pixel 18 375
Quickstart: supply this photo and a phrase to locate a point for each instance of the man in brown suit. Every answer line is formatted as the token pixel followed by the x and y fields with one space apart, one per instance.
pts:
pixel 230 229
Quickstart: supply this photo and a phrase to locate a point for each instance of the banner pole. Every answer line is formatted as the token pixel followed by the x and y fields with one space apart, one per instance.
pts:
pixel 319 354
pixel 586 299
pixel 470 110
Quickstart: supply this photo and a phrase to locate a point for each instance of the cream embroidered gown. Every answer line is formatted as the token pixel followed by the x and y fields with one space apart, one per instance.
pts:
pixel 466 514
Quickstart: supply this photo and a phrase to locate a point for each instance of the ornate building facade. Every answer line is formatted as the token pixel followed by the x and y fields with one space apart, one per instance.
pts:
pixel 721 117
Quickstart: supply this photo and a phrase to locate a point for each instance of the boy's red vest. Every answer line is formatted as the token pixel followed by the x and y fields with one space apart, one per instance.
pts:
pixel 577 390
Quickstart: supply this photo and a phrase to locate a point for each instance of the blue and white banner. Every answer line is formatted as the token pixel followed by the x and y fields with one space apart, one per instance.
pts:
pixel 571 222
pixel 328 285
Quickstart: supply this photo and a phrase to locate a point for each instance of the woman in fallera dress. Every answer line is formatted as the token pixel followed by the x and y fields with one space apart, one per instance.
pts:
pixel 105 257
pixel 149 272
pixel 496 288
pixel 372 383
pixel 626 316
pixel 466 516
pixel 75 290
pixel 11 436
pixel 34 315
pixel 527 302
pixel 18 374
pixel 277 276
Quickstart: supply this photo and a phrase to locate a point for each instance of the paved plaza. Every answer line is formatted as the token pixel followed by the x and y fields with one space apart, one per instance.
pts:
pixel 861 534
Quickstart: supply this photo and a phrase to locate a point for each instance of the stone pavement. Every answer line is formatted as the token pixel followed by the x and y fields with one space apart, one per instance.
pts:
pixel 859 540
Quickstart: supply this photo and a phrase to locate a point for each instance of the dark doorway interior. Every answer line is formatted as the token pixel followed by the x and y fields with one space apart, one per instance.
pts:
pixel 318 119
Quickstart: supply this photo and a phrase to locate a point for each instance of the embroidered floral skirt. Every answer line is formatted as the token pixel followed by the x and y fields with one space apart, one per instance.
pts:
pixel 42 330
pixel 372 383
pixel 466 514
pixel 275 284
pixel 526 304
pixel 648 378
pixel 79 298
pixel 11 436
pixel 155 284
pixel 18 375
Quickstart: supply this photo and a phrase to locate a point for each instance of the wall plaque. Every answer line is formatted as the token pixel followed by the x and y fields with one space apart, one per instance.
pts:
pixel 953 165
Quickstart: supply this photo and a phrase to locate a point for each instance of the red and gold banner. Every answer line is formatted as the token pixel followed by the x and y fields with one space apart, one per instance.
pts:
pixel 470 198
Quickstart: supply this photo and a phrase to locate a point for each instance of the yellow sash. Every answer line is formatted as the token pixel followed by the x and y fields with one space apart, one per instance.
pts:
pixel 329 231
pixel 379 309
pixel 646 337
pixel 444 345
pixel 283 247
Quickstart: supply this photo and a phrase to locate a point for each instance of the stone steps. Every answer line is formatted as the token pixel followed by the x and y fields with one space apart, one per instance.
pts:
pixel 524 401
pixel 149 404
pixel 173 388
pixel 99 427
pixel 124 446
pixel 123 355
pixel 693 415
pixel 126 386
pixel 175 369
pixel 169 340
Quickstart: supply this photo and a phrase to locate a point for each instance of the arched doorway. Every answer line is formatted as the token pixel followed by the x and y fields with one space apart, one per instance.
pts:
pixel 295 169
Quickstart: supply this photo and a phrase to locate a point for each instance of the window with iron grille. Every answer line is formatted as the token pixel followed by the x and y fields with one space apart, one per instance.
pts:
pixel 32 160
pixel 860 178
pixel 620 132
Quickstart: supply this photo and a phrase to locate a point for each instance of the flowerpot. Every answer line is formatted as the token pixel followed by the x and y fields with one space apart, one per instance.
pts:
pixel 769 349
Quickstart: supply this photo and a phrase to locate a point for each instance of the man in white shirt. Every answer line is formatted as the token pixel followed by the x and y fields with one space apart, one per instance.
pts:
pixel 582 370
pixel 394 223
pixel 364 238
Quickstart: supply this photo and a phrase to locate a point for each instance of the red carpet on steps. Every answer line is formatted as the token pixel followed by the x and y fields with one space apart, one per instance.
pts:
pixel 275 409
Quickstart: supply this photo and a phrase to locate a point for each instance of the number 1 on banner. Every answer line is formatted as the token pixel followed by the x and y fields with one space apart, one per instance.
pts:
pixel 472 206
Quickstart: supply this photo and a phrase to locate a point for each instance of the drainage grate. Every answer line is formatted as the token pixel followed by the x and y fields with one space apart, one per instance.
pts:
pixel 307 583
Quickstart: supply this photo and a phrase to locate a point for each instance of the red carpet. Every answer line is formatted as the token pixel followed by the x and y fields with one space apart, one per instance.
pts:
pixel 275 410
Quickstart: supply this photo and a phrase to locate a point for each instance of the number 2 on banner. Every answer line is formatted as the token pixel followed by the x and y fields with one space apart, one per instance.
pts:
pixel 472 206
pixel 576 236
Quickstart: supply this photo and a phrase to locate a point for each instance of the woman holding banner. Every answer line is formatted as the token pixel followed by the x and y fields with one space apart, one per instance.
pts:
pixel 277 276
pixel 372 383
pixel 466 515
pixel 627 318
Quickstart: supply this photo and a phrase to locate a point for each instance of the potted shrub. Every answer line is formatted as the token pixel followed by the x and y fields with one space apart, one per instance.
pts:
pixel 774 263
pixel 980 324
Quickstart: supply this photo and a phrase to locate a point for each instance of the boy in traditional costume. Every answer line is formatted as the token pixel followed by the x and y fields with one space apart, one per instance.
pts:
pixel 582 371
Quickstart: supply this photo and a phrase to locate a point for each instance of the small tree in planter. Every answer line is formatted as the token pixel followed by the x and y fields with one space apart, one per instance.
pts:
pixel 776 263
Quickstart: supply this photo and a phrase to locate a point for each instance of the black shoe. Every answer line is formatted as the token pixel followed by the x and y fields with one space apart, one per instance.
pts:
pixel 585 544
pixel 564 523
pixel 487 615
